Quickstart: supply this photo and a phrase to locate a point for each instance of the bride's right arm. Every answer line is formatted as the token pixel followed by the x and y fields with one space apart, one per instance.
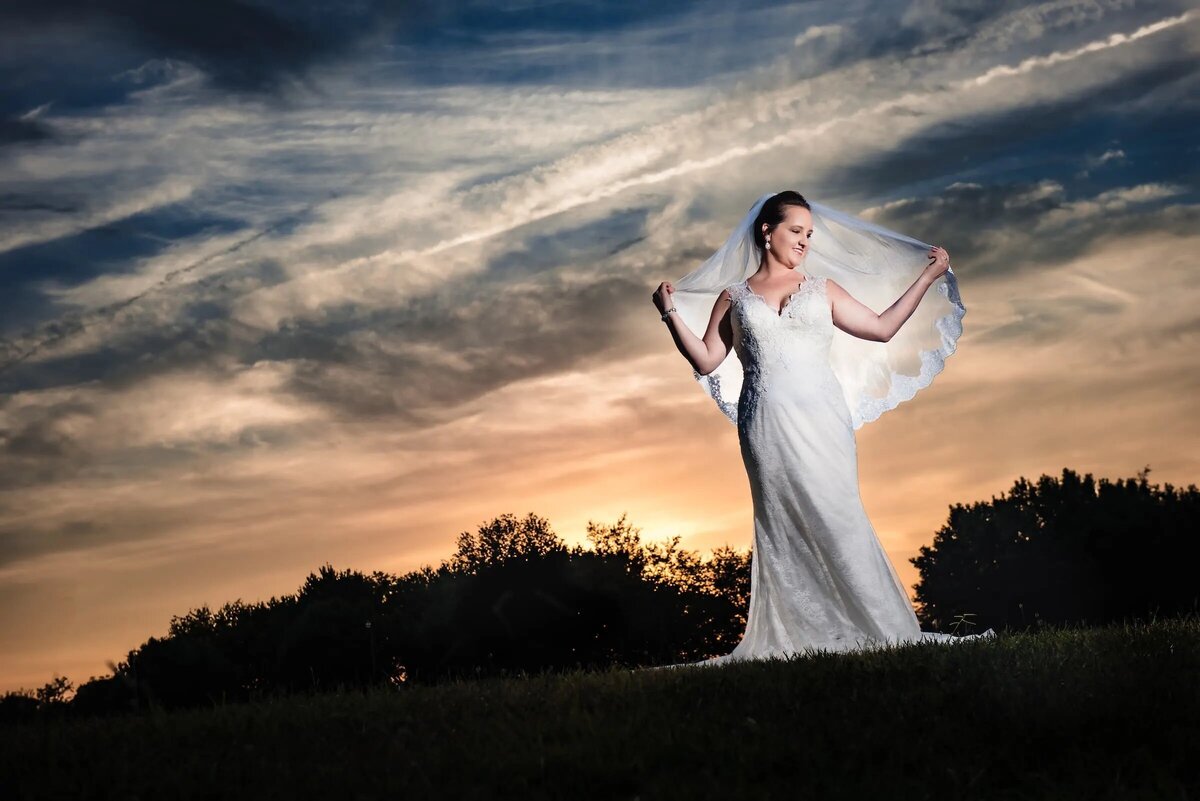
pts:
pixel 705 355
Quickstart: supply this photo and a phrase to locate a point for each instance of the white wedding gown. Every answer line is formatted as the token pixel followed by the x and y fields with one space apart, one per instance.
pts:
pixel 820 580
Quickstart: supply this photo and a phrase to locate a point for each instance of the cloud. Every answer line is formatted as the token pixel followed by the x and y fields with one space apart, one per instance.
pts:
pixel 143 427
pixel 1011 228
pixel 816 32
pixel 22 129
pixel 1115 40
pixel 242 46
pixel 421 285
pixel 374 256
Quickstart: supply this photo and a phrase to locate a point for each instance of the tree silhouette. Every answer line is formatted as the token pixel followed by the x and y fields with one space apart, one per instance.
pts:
pixel 51 698
pixel 504 538
pixel 725 576
pixel 515 598
pixel 1064 551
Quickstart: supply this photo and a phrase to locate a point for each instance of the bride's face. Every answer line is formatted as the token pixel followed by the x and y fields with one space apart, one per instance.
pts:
pixel 791 238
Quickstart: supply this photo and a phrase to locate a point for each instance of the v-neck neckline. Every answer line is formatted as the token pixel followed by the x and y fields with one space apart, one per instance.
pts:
pixel 786 301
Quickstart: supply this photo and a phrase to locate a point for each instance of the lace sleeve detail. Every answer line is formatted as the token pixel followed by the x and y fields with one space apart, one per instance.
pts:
pixel 712 384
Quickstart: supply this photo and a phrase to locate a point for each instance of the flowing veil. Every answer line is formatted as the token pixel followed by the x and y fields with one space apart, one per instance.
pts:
pixel 876 266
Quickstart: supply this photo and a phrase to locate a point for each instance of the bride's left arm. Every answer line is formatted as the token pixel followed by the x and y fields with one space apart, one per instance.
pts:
pixel 853 316
pixel 858 319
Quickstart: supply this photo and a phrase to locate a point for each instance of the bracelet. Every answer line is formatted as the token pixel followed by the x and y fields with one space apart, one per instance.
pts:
pixel 668 311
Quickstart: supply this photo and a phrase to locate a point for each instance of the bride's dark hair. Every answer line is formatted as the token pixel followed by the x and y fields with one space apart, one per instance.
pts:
pixel 772 213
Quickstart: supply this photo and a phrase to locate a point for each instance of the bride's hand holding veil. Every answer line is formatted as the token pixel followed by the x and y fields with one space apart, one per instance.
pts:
pixel 662 296
pixel 940 264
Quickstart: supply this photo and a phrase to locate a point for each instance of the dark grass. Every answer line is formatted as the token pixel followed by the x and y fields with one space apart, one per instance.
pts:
pixel 1103 713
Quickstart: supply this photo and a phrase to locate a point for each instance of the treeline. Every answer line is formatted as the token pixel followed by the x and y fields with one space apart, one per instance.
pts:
pixel 514 598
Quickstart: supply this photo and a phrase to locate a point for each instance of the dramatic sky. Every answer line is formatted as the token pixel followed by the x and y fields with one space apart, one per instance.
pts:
pixel 284 283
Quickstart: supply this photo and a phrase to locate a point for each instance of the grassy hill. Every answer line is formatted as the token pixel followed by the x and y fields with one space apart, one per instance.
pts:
pixel 1057 713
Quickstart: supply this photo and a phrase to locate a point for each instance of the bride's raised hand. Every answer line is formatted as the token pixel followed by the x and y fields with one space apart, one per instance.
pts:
pixel 939 262
pixel 662 296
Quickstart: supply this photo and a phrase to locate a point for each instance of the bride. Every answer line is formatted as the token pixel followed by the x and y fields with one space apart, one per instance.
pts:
pixel 797 359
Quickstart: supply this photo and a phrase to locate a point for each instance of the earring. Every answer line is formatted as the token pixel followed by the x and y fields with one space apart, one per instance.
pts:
pixel 768 243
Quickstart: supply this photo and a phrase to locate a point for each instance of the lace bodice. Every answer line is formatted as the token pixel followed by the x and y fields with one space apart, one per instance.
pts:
pixel 797 337
pixel 762 336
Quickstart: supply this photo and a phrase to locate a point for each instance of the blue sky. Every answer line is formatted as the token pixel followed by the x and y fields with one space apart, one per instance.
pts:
pixel 290 282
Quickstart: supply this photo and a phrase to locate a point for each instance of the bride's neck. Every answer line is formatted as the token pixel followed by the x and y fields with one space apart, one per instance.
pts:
pixel 772 270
